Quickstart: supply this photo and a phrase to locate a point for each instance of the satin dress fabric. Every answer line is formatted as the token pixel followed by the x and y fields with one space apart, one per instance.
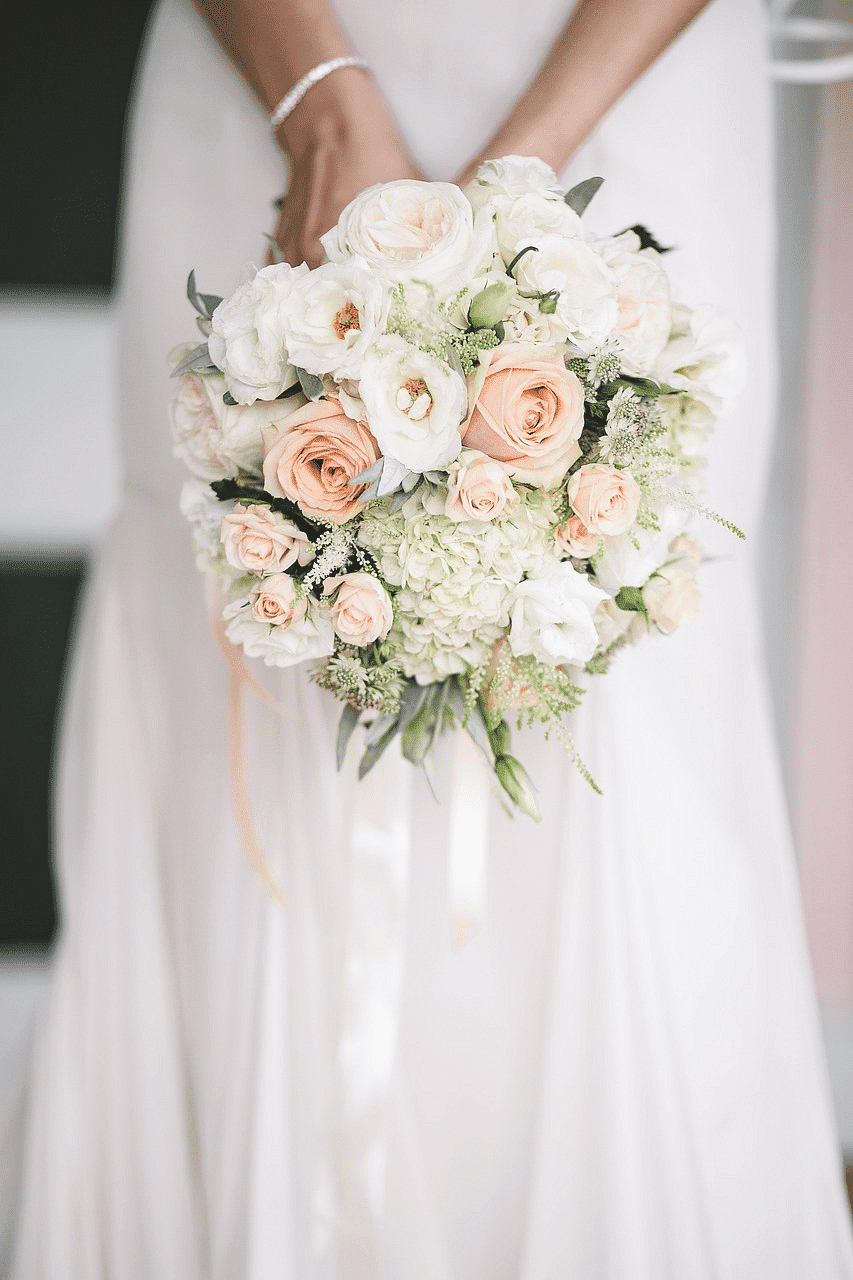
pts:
pixel 620 1076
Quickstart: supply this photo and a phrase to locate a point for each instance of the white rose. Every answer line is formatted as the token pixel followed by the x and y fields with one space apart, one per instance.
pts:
pixel 508 178
pixel 215 440
pixel 414 404
pixel 362 610
pixel 332 316
pixel 704 356
pixel 528 218
pixel 643 299
pixel 201 507
pixel 586 303
pixel 306 637
pixel 247 342
pixel 552 615
pixel 257 539
pixel 412 230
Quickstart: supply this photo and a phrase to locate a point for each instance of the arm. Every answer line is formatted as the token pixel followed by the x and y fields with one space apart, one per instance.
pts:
pixel 341 137
pixel 603 48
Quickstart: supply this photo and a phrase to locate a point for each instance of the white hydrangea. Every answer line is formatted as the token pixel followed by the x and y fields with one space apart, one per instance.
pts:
pixel 456 580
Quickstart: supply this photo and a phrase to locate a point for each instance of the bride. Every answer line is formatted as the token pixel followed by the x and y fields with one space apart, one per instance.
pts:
pixel 618 1077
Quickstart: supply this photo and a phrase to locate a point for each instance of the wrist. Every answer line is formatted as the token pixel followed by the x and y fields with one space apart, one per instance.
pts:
pixel 345 103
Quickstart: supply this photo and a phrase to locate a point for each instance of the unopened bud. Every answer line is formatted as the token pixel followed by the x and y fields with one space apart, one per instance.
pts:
pixel 489 306
pixel 513 777
pixel 548 302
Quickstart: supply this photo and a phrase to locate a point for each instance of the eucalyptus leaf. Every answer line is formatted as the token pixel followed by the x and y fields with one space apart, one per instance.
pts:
pixel 228 399
pixel 413 699
pixel 379 727
pixel 312 386
pixel 579 197
pixel 205 326
pixel 277 255
pixel 476 731
pixel 196 361
pixel 373 752
pixel 204 303
pixel 398 500
pixel 350 717
pixel 373 472
pixel 393 475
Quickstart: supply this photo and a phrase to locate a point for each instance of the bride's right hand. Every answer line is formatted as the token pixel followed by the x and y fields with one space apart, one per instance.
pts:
pixel 340 139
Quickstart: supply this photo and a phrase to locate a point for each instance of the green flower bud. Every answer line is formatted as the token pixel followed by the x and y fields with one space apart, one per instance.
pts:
pixel 488 308
pixel 548 302
pixel 513 777
pixel 499 738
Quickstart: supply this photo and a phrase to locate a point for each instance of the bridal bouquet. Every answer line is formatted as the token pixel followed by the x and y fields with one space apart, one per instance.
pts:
pixel 452 467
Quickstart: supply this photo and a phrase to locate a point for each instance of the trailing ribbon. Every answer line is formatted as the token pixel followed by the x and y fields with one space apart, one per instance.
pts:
pixel 468 838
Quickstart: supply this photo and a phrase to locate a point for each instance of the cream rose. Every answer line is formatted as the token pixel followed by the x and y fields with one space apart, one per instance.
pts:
pixel 277 601
pixel 528 414
pixel 504 180
pixel 361 611
pixel 671 596
pixel 413 403
pixel 247 342
pixel 605 499
pixel 705 357
pixel 478 488
pixel 259 540
pixel 313 455
pixel 412 230
pixel 574 539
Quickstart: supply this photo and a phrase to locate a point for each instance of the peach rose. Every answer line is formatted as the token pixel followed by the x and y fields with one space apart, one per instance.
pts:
pixel 574 539
pixel 362 610
pixel 259 540
pixel 312 456
pixel 275 601
pixel 671 596
pixel 478 489
pixel 529 413
pixel 605 499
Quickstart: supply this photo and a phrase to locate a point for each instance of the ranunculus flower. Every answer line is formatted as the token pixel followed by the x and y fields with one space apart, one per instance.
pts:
pixel 574 539
pixel 332 316
pixel 528 414
pixel 408 229
pixel 361 611
pixel 671 596
pixel 478 488
pixel 259 540
pixel 552 615
pixel 313 455
pixel 586 306
pixel 276 601
pixel 605 499
pixel 247 342
pixel 414 404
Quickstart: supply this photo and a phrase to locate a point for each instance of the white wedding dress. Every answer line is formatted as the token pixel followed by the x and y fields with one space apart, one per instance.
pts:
pixel 619 1077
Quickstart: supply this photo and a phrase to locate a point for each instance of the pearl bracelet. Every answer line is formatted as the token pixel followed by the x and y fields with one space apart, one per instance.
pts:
pixel 299 90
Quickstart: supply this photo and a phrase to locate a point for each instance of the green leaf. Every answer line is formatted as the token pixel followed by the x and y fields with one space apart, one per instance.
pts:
pixel 350 717
pixel 375 750
pixel 204 303
pixel 373 472
pixel 312 386
pixel 413 699
pixel 630 600
pixel 196 361
pixel 228 399
pixel 647 240
pixel 277 255
pixel 580 196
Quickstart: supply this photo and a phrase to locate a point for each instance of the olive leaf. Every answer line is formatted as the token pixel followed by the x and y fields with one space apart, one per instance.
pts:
pixel 580 196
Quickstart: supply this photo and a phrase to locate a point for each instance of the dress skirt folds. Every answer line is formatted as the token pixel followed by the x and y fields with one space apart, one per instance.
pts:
pixel 619 1076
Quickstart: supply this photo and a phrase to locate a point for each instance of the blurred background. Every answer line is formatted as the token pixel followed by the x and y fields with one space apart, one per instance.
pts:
pixel 64 97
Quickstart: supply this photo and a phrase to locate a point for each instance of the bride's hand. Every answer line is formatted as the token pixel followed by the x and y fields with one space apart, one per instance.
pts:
pixel 340 139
